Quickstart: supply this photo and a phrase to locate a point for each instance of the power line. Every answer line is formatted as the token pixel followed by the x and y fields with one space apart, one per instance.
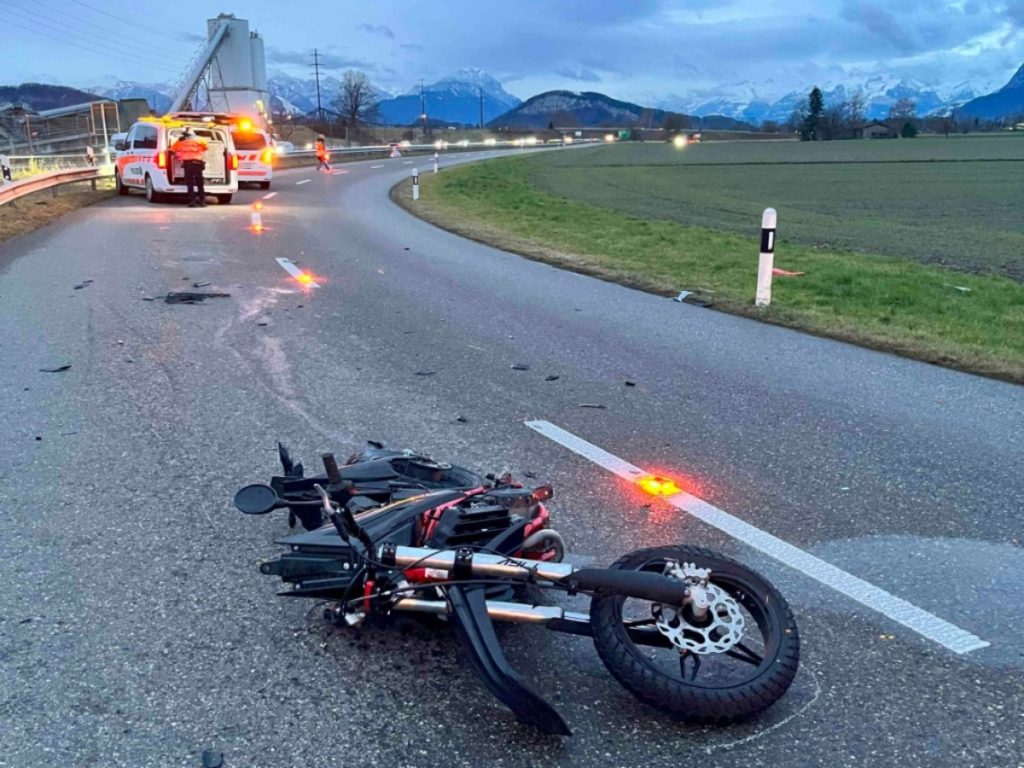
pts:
pixel 122 20
pixel 112 38
pixel 95 51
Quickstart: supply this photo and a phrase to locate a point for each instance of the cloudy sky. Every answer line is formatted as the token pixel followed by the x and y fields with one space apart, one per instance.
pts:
pixel 640 50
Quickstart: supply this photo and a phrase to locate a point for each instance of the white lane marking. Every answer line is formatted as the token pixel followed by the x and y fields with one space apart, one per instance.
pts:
pixel 909 615
pixel 304 181
pixel 289 266
pixel 407 162
pixel 376 166
pixel 337 171
pixel 269 195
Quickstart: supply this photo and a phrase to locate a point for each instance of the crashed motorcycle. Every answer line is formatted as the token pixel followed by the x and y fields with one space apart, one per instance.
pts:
pixel 684 629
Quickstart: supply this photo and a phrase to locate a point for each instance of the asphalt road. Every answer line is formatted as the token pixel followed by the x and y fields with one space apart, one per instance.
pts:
pixel 136 631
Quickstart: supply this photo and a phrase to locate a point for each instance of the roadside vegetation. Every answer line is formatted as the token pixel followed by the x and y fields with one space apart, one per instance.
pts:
pixel 867 232
pixel 34 211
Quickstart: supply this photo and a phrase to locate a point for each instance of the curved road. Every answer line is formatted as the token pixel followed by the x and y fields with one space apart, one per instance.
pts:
pixel 136 631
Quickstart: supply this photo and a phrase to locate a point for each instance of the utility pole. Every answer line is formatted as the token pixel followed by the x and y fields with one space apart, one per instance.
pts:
pixel 316 70
pixel 481 108
pixel 423 108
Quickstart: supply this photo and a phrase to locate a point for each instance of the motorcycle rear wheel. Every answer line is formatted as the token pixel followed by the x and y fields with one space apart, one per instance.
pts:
pixel 725 687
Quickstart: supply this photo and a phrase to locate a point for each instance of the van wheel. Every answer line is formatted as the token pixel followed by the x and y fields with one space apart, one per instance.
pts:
pixel 224 199
pixel 120 187
pixel 151 194
pixel 264 185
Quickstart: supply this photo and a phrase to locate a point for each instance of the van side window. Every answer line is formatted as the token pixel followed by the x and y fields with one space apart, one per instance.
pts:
pixel 145 137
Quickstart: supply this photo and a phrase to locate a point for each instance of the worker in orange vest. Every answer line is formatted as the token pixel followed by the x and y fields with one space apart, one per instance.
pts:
pixel 322 156
pixel 190 151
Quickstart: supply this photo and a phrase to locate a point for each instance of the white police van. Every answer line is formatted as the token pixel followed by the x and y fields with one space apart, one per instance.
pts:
pixel 144 160
pixel 255 147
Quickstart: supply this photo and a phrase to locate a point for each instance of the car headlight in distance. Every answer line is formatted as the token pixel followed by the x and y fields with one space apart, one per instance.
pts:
pixel 490 142
pixel 680 141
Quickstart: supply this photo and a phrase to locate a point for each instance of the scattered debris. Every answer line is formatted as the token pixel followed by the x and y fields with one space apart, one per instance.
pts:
pixel 552 377
pixel 83 284
pixel 461 419
pixel 300 306
pixel 593 405
pixel 375 444
pixel 405 249
pixel 380 270
pixel 630 383
pixel 189 297
pixel 425 373
pixel 39 438
pixel 58 369
pixel 213 759
pixel 531 475
pixel 682 296
pixel 26 621
pixel 961 288
pixel 520 367
pixel 785 273
pixel 200 285
pixel 264 322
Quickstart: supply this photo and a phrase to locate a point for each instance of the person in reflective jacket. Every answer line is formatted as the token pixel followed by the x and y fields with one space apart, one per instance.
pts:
pixel 190 151
pixel 322 155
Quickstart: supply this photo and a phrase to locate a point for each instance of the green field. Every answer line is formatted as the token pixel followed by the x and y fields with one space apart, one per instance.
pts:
pixel 866 221
pixel 957 202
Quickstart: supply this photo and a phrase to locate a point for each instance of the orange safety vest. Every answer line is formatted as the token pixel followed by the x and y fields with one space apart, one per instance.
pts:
pixel 321 150
pixel 189 149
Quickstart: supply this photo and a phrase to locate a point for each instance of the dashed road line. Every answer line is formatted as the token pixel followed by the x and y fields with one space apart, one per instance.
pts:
pixel 289 266
pixel 376 166
pixel 909 615
pixel 304 181
pixel 269 195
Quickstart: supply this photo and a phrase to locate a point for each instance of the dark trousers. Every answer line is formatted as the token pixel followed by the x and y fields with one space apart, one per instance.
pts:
pixel 322 163
pixel 194 180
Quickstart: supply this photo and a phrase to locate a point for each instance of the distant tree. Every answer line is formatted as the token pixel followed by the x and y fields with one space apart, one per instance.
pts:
pixel 551 125
pixel 909 130
pixel 904 109
pixel 795 123
pixel 356 101
pixel 675 122
pixel 833 122
pixel 815 108
pixel 855 108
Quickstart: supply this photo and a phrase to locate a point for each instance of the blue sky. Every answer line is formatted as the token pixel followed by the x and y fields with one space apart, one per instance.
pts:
pixel 639 50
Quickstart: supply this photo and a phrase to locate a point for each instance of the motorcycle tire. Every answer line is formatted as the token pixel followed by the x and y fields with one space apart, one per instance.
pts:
pixel 705 700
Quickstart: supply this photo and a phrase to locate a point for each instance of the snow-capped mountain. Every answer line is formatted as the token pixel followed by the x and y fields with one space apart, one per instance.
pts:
pixel 756 102
pixel 454 99
pixel 159 95
pixel 1007 102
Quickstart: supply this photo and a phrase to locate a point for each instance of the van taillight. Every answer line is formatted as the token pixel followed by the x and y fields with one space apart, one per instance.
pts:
pixel 161 159
pixel 234 162
pixel 267 157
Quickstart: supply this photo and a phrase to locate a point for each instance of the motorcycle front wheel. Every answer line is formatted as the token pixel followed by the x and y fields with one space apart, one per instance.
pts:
pixel 736 660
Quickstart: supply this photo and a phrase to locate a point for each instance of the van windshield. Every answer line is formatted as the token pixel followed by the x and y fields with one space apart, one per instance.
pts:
pixel 249 140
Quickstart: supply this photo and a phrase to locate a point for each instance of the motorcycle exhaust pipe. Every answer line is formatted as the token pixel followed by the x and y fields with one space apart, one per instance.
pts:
pixel 483 564
pixel 497 610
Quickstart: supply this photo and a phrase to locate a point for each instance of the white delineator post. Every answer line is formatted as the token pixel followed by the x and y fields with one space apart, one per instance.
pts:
pixel 415 184
pixel 766 260
pixel 435 162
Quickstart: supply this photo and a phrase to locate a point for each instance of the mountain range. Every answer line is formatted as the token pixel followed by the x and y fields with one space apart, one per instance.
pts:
pixel 457 99
pixel 568 109
pixel 1008 101
pixel 757 102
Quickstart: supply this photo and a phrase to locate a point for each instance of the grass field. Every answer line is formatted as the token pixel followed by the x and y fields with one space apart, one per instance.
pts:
pixel 957 202
pixel 867 232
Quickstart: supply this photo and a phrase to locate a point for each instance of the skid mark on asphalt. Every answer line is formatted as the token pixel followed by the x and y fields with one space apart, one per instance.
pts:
pixel 757 735
pixel 909 615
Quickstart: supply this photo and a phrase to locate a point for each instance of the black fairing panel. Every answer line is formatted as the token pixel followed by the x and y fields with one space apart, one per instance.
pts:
pixel 475 630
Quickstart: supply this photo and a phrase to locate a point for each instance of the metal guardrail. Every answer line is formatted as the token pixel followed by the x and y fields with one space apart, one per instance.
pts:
pixel 11 192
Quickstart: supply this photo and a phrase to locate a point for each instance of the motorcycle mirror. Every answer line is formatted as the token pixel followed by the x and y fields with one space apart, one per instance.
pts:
pixel 256 499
